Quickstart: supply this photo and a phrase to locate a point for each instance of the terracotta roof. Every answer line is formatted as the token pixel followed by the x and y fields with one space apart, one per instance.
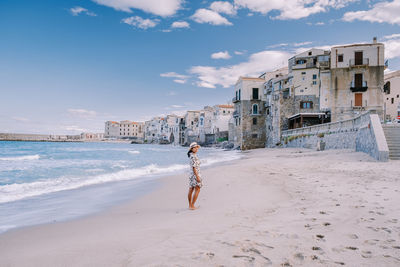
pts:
pixel 251 78
pixel 225 106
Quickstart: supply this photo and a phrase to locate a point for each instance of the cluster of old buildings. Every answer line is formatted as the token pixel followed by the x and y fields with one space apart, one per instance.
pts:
pixel 206 126
pixel 317 86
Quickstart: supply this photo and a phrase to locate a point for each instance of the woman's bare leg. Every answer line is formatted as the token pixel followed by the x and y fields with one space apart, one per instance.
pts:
pixel 195 195
pixel 190 196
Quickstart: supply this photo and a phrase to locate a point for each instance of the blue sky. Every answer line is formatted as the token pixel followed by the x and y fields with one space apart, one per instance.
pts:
pixel 68 66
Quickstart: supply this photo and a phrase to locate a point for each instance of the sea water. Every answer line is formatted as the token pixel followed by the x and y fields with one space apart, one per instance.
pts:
pixel 43 182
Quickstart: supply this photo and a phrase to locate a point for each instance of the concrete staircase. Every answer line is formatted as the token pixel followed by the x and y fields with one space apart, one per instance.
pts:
pixel 392 134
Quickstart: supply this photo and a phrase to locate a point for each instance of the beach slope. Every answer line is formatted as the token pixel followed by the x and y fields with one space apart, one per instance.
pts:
pixel 277 207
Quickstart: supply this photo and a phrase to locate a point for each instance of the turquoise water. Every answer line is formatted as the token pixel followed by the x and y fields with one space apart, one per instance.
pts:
pixel 44 182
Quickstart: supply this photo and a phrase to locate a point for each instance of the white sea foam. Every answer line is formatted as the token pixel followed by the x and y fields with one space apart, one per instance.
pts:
pixel 28 157
pixel 18 191
pixel 134 152
pixel 13 192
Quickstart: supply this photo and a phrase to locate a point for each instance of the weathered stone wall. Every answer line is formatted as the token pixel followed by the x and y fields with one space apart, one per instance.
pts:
pixel 342 98
pixel 363 133
pixel 300 98
pixel 253 136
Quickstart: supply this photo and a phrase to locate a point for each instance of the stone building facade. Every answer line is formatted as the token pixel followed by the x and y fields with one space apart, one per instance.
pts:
pixel 248 127
pixel 357 80
pixel 391 96
pixel 111 129
pixel 279 106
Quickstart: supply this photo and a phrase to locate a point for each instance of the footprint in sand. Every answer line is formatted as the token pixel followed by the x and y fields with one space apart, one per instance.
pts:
pixel 326 224
pixel 351 248
pixel 353 236
pixel 366 254
pixel 248 258
pixel 299 256
pixel 286 264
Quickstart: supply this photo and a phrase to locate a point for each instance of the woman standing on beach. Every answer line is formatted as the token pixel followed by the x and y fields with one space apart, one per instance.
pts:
pixel 195 182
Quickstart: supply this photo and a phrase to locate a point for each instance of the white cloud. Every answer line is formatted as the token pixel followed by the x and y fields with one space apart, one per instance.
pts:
pixel 180 24
pixel 178 78
pixel 20 119
pixel 381 12
pixel 83 113
pixel 177 106
pixel 223 7
pixel 174 75
pixel 392 48
pixel 209 16
pixel 161 8
pixel 221 55
pixel 75 11
pixel 257 63
pixel 171 93
pixel 278 45
pixel 73 128
pixel 239 53
pixel 291 9
pixel 302 44
pixel 140 22
pixel 320 23
pixel 180 81
pixel 392 36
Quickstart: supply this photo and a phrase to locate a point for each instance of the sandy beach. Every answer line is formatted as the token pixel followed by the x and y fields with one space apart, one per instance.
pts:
pixel 274 207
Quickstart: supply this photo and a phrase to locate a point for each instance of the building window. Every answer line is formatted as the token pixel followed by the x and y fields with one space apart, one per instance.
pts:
pixel 255 109
pixel 303 73
pixel 310 53
pixel 386 88
pixel 306 104
pixel 255 93
pixel 340 58
pixel 314 76
pixel 254 135
pixel 254 121
pixel 392 100
pixel 239 94
pixel 314 82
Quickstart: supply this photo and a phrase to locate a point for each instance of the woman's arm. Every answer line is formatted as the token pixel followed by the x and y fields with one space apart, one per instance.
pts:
pixel 197 175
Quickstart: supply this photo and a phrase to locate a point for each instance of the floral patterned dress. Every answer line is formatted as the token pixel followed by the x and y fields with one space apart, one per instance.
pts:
pixel 194 163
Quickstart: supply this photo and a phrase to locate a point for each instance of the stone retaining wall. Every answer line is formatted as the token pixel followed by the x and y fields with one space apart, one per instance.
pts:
pixel 363 133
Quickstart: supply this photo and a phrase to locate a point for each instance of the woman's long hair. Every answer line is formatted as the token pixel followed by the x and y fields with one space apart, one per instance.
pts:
pixel 189 152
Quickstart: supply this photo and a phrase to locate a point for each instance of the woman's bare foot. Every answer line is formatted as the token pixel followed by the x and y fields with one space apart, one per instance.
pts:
pixel 193 208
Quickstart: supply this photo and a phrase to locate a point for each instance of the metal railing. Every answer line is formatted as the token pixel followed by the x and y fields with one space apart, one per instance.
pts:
pixel 332 127
pixel 353 62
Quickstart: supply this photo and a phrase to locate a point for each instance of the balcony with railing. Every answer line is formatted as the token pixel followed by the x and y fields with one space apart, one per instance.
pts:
pixel 236 113
pixel 306 65
pixel 358 87
pixel 235 99
pixel 361 62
